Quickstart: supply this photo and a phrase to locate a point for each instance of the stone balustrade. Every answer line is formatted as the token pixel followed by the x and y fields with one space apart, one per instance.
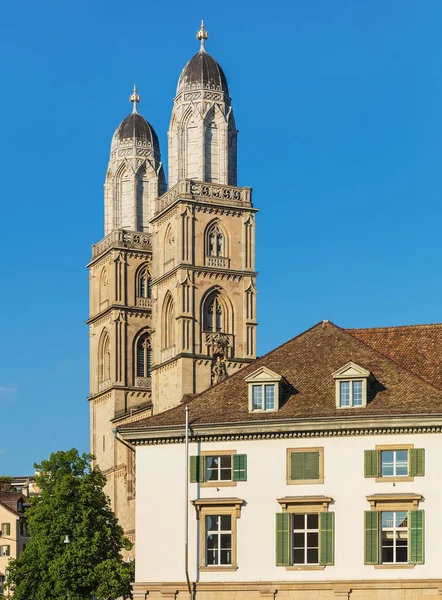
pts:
pixel 123 239
pixel 211 192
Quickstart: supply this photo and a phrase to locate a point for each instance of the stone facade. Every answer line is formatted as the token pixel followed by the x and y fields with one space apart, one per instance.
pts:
pixel 172 283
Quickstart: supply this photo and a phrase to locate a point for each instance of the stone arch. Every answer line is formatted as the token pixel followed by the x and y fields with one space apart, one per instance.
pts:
pixel 103 291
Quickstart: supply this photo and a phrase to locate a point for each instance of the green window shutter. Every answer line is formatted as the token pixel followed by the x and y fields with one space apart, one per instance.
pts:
pixel 417 462
pixel 311 465
pixel 371 463
pixel 239 467
pixel 371 537
pixel 416 532
pixel 327 538
pixel 8 528
pixel 282 539
pixel 304 465
pixel 196 469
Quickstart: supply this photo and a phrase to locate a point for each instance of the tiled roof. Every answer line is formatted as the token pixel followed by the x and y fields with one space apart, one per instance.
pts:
pixel 415 347
pixel 10 500
pixel 307 362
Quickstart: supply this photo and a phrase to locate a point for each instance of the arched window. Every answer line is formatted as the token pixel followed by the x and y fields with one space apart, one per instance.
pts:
pixel 214 317
pixel 143 286
pixel 144 356
pixel 104 363
pixel 168 323
pixel 169 245
pixel 216 241
pixel 104 286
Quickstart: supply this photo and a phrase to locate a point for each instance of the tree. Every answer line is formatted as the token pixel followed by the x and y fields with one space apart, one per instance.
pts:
pixel 71 503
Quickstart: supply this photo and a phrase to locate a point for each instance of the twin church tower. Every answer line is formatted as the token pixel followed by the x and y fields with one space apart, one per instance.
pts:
pixel 172 283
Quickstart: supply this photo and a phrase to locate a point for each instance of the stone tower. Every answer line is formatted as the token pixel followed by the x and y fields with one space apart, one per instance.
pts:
pixel 172 283
pixel 203 243
pixel 120 304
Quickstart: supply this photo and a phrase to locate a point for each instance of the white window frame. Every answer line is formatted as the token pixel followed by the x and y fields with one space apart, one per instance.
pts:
pixel 219 532
pixel 394 451
pixel 264 377
pixel 351 373
pixel 394 529
pixel 305 531
pixel 219 468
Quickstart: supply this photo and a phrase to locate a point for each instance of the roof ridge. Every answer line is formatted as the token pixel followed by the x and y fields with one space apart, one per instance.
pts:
pixel 401 366
pixel 394 327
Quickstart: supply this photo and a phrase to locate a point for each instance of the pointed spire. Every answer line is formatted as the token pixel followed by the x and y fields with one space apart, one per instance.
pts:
pixel 134 98
pixel 202 35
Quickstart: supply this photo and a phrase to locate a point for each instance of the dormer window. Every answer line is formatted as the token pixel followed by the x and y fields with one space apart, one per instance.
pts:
pixel 264 389
pixel 351 386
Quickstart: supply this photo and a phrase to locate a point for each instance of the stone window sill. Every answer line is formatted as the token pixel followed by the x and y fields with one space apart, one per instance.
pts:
pixel 394 566
pixel 305 568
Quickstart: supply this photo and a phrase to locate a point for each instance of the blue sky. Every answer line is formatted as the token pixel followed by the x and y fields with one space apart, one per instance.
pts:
pixel 339 110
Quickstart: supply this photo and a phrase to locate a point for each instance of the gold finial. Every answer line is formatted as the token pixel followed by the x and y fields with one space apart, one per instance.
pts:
pixel 202 35
pixel 134 98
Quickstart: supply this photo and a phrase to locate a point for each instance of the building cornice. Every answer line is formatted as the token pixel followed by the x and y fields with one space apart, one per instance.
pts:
pixel 239 273
pixel 290 428
pixel 133 311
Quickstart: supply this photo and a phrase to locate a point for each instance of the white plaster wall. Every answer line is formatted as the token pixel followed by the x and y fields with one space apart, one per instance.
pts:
pixel 160 508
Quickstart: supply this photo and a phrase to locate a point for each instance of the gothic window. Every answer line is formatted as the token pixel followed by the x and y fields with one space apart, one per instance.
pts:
pixel 104 359
pixel 168 323
pixel 144 288
pixel 214 314
pixel 216 241
pixel 104 286
pixel 169 243
pixel 144 356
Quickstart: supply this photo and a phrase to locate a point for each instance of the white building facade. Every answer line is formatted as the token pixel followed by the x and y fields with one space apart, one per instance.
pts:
pixel 344 503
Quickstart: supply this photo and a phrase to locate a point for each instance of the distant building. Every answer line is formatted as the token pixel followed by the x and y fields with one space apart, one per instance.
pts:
pixel 13 529
pixel 314 473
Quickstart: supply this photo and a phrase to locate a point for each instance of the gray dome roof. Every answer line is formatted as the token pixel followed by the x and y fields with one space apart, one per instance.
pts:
pixel 202 71
pixel 136 127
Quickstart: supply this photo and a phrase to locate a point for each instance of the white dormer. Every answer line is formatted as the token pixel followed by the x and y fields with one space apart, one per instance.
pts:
pixel 351 385
pixel 264 390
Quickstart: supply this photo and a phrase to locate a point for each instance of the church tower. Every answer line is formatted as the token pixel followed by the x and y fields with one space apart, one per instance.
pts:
pixel 203 243
pixel 172 283
pixel 120 322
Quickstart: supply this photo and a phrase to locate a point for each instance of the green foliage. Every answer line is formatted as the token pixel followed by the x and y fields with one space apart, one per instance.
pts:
pixel 72 502
pixel 5 479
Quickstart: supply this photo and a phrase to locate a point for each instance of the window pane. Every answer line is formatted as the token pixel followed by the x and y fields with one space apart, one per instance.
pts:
pixel 211 523
pixel 269 397
pixel 387 555
pixel 402 463
pixel 312 521
pixel 387 519
pixel 357 393
pixel 312 556
pixel 212 557
pixel 298 556
pixel 225 557
pixel 344 393
pixel 226 522
pixel 401 519
pixel 212 542
pixel 257 397
pixel 226 474
pixel 402 554
pixel 298 521
pixel 312 540
pixel 387 464
pixel 298 540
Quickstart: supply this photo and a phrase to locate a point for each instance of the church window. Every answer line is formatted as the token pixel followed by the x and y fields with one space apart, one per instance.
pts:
pixel 104 359
pixel 144 287
pixel 216 242
pixel 168 323
pixel 144 356
pixel 213 314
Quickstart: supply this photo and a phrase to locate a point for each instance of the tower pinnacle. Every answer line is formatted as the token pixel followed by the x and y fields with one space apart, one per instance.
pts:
pixel 134 98
pixel 202 35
